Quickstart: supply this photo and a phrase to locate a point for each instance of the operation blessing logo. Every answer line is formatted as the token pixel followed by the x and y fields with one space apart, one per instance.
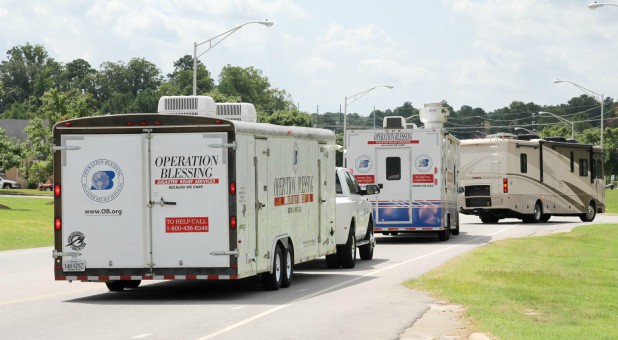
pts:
pixel 102 180
pixel 423 163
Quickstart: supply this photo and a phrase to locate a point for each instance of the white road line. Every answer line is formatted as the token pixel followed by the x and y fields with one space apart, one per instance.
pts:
pixel 325 290
pixel 237 307
pixel 38 297
pixel 142 336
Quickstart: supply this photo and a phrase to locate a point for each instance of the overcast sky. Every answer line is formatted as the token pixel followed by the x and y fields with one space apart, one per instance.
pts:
pixel 481 53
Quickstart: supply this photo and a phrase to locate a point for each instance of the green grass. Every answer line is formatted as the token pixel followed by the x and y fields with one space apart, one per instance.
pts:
pixel 554 287
pixel 34 192
pixel 611 201
pixel 27 224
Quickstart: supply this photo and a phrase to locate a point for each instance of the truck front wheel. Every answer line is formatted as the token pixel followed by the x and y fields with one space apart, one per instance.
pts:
pixel 366 251
pixel 347 253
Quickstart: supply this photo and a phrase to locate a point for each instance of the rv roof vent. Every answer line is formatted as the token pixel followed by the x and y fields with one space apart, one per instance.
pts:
pixel 394 122
pixel 434 115
pixel 556 139
pixel 237 111
pixel 527 136
pixel 187 105
pixel 504 135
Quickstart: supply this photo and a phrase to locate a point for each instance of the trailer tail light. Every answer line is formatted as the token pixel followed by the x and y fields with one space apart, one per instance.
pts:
pixel 233 222
pixel 505 185
pixel 233 188
pixel 57 190
pixel 57 223
pixel 130 124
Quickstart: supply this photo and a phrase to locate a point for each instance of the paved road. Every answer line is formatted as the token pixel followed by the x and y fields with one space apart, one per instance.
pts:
pixel 366 302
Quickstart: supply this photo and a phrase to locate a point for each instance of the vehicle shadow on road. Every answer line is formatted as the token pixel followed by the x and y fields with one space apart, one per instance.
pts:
pixel 432 238
pixel 312 279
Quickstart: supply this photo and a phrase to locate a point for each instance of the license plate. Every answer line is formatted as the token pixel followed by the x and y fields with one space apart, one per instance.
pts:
pixel 74 265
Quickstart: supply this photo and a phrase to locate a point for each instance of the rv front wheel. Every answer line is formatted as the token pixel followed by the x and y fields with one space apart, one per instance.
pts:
pixel 590 214
pixel 273 280
pixel 488 219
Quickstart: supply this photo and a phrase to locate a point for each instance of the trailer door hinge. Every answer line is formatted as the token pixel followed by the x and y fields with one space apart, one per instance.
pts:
pixel 266 152
pixel 224 252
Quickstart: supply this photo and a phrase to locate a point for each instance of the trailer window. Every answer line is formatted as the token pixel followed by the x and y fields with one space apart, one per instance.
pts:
pixel 583 167
pixel 572 162
pixel 523 163
pixel 393 168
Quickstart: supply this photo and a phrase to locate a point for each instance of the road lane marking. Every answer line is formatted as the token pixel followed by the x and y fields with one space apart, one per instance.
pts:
pixel 38 297
pixel 326 290
pixel 142 336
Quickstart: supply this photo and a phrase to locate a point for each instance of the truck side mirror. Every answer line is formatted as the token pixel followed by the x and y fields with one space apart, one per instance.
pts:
pixel 372 189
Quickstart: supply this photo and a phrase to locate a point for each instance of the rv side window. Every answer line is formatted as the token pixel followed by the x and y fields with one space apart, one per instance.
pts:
pixel 583 167
pixel 572 162
pixel 523 163
pixel 393 168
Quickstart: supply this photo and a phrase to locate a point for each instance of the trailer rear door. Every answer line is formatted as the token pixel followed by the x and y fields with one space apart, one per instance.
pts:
pixel 189 199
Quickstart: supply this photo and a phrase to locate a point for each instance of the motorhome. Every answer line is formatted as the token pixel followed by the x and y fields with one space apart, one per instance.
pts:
pixel 531 179
pixel 190 195
pixel 415 170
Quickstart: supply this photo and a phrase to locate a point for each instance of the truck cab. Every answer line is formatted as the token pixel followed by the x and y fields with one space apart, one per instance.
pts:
pixel 354 221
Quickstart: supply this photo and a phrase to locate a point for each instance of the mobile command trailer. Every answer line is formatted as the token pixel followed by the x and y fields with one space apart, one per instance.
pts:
pixel 161 197
pixel 416 171
pixel 531 179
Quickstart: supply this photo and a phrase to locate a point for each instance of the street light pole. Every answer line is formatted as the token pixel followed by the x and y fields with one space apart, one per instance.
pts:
pixel 595 5
pixel 221 37
pixel 354 98
pixel 562 119
pixel 594 95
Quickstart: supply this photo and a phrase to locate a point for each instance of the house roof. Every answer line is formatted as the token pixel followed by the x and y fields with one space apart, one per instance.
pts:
pixel 14 128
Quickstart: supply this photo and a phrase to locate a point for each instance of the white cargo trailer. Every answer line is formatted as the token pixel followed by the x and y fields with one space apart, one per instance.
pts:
pixel 416 171
pixel 163 197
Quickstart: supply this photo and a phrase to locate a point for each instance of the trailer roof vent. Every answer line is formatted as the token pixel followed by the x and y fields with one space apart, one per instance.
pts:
pixel 434 115
pixel 237 111
pixel 394 122
pixel 187 105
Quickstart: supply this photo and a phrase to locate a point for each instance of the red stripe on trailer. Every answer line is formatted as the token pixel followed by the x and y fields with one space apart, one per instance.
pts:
pixel 213 277
pixel 104 278
pixel 191 277
pixel 61 278
pixel 169 277
pixel 233 277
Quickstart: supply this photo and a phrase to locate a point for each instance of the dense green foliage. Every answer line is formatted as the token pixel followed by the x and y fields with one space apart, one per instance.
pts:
pixel 34 86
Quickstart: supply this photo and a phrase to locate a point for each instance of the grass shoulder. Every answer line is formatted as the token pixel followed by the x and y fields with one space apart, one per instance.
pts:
pixel 25 222
pixel 558 286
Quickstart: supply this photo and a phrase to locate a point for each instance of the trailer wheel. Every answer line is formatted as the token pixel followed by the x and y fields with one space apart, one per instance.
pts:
pixel 347 255
pixel 545 217
pixel 132 284
pixel 288 271
pixel 366 251
pixel 273 281
pixel 115 286
pixel 445 234
pixel 590 214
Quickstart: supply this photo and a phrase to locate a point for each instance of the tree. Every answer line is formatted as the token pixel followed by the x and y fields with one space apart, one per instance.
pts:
pixel 57 105
pixel 182 77
pixel 289 118
pixel 10 152
pixel 247 83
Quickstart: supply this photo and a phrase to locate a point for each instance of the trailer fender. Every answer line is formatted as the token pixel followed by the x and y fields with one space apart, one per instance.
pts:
pixel 284 241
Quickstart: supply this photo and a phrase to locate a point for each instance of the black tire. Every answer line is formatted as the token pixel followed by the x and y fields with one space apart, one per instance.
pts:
pixel 132 284
pixel 273 281
pixel 115 286
pixel 545 217
pixel 590 214
pixel 366 251
pixel 488 218
pixel 536 216
pixel 394 233
pixel 288 267
pixel 445 234
pixel 456 230
pixel 6 186
pixel 347 253
pixel 332 261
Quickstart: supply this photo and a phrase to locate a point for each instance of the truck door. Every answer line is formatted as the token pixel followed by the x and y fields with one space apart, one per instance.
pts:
pixel 189 200
pixel 393 173
pixel 103 200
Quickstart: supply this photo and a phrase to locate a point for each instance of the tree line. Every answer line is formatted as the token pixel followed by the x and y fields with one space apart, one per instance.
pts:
pixel 36 87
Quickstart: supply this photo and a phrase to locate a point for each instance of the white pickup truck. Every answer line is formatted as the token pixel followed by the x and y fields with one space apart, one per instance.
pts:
pixel 354 219
pixel 8 184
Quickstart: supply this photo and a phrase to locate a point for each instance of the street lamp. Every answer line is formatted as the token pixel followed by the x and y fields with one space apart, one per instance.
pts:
pixel 534 132
pixel 565 121
pixel 221 37
pixel 354 98
pixel 595 5
pixel 594 95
